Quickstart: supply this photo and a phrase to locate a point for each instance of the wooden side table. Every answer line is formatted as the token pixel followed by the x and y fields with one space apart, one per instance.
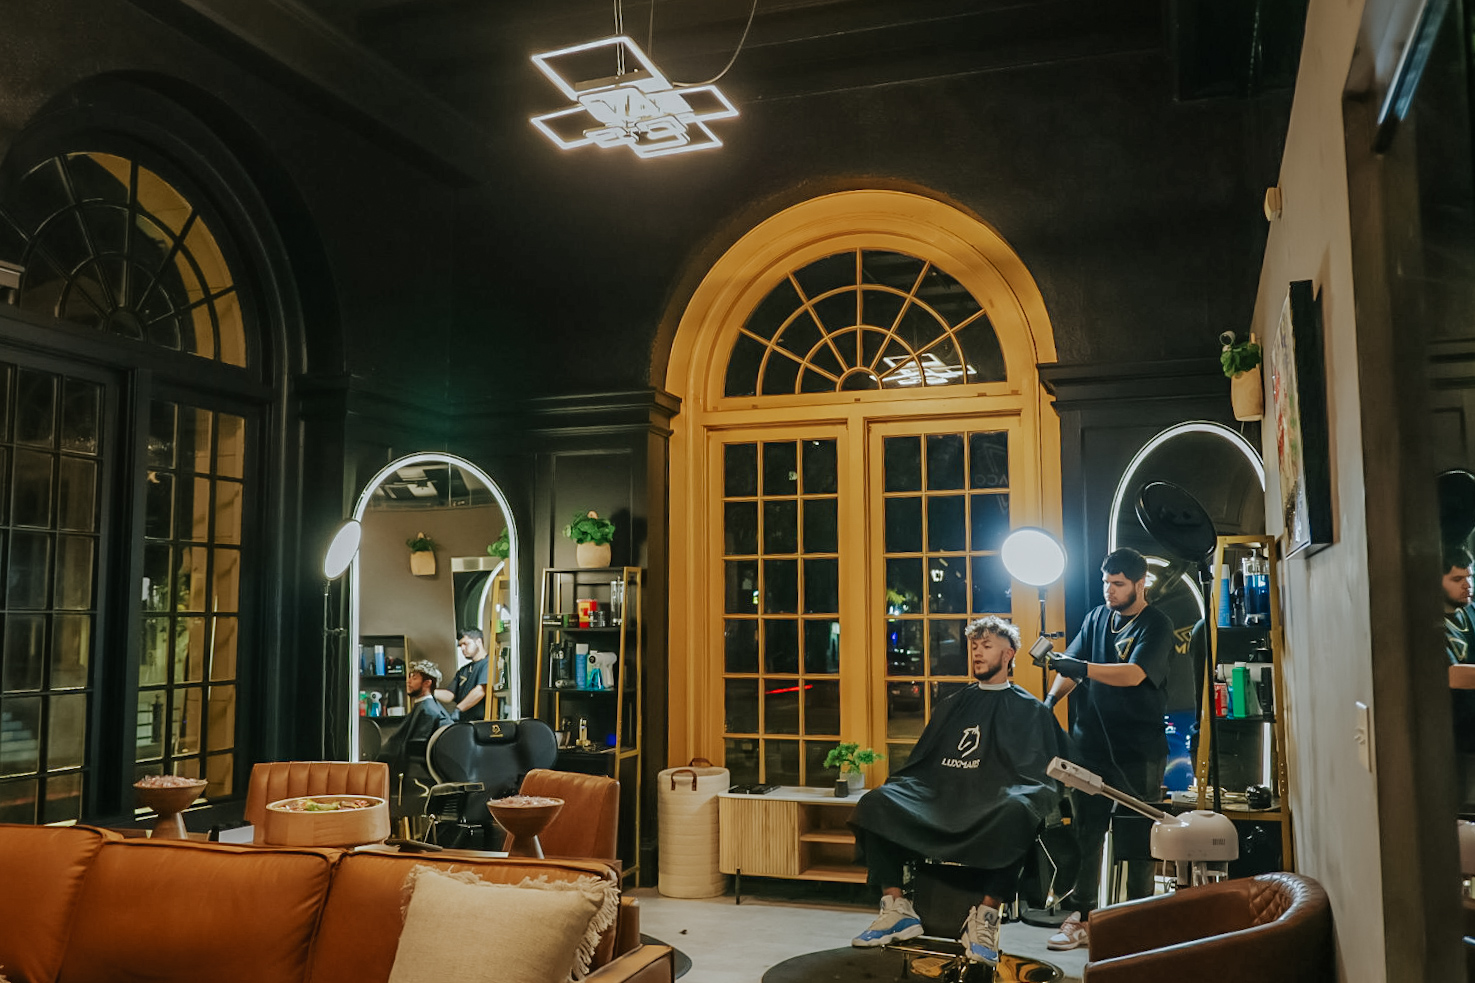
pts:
pixel 793 832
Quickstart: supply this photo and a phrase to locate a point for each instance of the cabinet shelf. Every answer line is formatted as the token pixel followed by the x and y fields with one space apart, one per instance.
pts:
pixel 827 836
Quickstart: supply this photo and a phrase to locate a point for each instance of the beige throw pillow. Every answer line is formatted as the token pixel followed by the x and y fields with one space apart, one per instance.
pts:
pixel 459 927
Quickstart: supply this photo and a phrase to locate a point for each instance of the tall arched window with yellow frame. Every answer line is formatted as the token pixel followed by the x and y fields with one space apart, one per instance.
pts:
pixel 862 424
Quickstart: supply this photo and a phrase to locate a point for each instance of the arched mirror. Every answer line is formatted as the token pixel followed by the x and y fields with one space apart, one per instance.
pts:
pixel 1218 469
pixel 438 556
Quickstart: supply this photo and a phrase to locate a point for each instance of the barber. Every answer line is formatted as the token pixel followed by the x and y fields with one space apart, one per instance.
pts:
pixel 1116 673
pixel 1459 651
pixel 468 692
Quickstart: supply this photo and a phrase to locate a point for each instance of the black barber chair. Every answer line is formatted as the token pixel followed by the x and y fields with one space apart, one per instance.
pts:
pixel 494 753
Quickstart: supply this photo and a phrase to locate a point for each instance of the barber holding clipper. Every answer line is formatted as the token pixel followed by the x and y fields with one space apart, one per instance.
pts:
pixel 1117 669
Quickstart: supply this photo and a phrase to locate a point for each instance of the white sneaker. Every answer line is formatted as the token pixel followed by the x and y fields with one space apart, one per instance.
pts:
pixel 1072 935
pixel 898 920
pixel 980 939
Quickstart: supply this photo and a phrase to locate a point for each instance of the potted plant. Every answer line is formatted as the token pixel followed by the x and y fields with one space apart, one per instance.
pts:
pixel 422 555
pixel 593 536
pixel 501 548
pixel 1241 363
pixel 848 757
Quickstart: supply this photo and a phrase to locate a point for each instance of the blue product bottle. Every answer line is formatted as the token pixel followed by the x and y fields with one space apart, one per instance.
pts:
pixel 1225 619
pixel 581 666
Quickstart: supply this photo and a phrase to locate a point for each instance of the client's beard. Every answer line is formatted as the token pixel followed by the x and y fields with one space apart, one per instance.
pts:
pixel 1131 600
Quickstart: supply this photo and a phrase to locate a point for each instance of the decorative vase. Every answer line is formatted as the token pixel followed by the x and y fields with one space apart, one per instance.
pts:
pixel 1247 396
pixel 855 781
pixel 422 563
pixel 592 555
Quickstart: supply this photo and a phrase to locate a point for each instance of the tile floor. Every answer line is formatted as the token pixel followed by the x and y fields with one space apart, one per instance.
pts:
pixel 730 943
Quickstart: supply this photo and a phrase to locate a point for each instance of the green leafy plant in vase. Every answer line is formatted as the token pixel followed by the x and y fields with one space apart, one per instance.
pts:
pixel 1241 363
pixel 422 555
pixel 592 536
pixel 849 757
pixel 502 547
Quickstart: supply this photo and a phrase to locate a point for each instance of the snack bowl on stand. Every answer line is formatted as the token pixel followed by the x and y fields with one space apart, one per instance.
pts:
pixel 326 820
pixel 525 816
pixel 168 796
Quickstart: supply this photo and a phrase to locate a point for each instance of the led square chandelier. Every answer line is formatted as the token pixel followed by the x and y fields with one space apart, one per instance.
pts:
pixel 639 108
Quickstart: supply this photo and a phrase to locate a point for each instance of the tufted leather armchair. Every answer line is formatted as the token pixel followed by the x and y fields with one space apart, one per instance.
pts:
pixel 588 824
pixel 1272 928
pixel 272 781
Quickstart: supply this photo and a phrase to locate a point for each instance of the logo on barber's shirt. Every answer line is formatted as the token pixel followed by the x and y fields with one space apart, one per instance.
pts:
pixel 967 744
pixel 1124 648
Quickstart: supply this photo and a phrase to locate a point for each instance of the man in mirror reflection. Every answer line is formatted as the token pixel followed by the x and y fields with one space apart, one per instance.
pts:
pixel 1115 672
pixel 469 685
pixel 404 752
pixel 974 794
pixel 1459 649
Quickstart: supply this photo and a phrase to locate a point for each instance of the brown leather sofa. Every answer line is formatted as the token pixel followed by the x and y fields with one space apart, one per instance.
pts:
pixel 83 905
pixel 1272 928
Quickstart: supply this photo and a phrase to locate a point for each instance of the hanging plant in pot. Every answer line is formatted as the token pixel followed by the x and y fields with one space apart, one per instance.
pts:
pixel 422 555
pixel 592 536
pixel 1241 363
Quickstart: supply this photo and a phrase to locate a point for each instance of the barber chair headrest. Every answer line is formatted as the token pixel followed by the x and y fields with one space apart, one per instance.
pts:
pixel 494 731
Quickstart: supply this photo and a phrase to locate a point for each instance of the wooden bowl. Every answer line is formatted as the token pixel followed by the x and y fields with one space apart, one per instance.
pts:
pixel 524 821
pixel 285 826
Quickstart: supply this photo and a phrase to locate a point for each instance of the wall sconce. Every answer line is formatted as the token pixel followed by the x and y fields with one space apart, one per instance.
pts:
pixel 640 109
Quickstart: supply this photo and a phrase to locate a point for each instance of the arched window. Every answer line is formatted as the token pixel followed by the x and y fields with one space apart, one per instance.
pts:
pixel 107 241
pixel 861 426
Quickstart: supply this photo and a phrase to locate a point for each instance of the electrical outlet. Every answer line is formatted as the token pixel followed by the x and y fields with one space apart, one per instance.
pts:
pixel 1362 733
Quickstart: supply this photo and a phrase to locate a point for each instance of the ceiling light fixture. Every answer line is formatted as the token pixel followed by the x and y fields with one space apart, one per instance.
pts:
pixel 639 108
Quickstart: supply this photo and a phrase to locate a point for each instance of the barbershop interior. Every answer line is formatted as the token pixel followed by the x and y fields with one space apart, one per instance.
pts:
pixel 544 491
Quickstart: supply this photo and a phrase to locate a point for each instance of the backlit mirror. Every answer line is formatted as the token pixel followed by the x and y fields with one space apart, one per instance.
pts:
pixel 438 556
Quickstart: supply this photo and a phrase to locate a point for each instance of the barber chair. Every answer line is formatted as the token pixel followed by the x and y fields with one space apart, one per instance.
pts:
pixel 495 753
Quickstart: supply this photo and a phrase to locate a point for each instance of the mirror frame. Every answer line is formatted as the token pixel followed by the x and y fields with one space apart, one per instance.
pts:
pixel 514 588
pixel 1233 437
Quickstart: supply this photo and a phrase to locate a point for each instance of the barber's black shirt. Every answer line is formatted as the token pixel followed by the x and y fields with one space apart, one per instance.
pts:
pixel 467 678
pixel 1122 724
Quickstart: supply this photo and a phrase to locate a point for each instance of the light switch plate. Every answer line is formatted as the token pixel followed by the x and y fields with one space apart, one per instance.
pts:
pixel 1362 733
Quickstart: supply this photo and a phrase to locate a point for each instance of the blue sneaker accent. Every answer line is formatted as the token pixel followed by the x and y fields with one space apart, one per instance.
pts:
pixel 884 935
pixel 980 939
pixel 897 920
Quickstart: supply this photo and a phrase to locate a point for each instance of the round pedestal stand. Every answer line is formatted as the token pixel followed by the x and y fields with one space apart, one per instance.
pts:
pixel 168 802
pixel 524 821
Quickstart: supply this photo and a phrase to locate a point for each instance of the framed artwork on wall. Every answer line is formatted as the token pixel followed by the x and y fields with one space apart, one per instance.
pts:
pixel 1302 438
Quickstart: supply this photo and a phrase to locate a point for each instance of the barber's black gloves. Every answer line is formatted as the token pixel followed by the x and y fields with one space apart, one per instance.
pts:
pixel 1068 667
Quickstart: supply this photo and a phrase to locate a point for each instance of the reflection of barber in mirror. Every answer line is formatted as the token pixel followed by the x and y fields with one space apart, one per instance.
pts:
pixel 973 793
pixel 469 685
pixel 1459 648
pixel 1117 667
pixel 426 715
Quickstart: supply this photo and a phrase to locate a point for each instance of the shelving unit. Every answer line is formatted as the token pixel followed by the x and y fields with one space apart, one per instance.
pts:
pixel 611 713
pixel 1231 747
pixel 390 684
pixel 793 832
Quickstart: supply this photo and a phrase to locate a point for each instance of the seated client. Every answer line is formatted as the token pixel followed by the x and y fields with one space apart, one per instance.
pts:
pixel 974 792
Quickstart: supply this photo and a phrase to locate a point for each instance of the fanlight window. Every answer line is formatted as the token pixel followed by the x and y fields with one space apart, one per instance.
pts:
pixel 111 245
pixel 864 319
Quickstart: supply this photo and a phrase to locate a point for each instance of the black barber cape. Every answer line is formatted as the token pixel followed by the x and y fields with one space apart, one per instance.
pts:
pixel 974 790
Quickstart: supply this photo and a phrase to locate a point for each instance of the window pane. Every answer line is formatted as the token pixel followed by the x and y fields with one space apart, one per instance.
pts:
pixel 949 647
pixel 20 739
pixel 66 743
pixel 156 577
pixel 35 408
pixel 740 528
pixel 780 586
pixel 228 495
pixel 781 762
pixel 781 707
pixel 904 711
pixel 949 593
pixel 25 652
pixel 815 772
pixel 946 528
pixel 821 586
pixel 63 798
pixel 904 586
pixel 741 591
pixel 740 465
pixel 188 712
pixel 77 498
pixel 821 528
pixel 820 467
pixel 780 645
pixel 220 773
pixel 230 455
pixel 741 703
pixel 71 647
pixel 904 647
pixel 189 650
pixel 903 464
pixel 740 643
pixel 191 584
pixel 31 497
pixel 81 402
pixel 193 513
pixel 222 729
pixel 74 569
pixel 161 435
pixel 821 646
pixel 988 460
pixel 990 521
pixel 29 574
pixel 194 439
pixel 903 525
pixel 158 520
pixel 991 585
pixel 152 715
pixel 781 527
pixel 822 707
pixel 740 755
pixel 944 461
pixel 223 650
pixel 153 659
pixel 18 801
pixel 227 580
pixel 780 468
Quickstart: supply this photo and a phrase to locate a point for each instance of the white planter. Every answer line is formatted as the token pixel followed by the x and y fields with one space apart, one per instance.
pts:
pixel 1247 395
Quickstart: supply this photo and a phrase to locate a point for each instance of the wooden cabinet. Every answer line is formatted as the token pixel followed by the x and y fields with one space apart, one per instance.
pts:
pixel 792 832
pixel 590 656
pixel 1242 719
